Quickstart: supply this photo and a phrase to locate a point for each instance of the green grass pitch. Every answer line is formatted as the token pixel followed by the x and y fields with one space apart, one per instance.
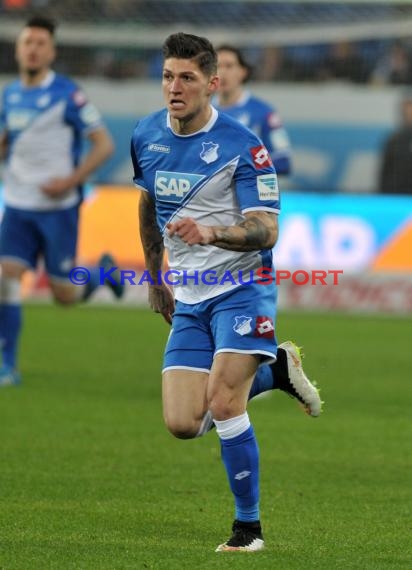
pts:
pixel 90 478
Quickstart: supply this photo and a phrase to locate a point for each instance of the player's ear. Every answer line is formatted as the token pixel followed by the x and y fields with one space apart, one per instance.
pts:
pixel 213 84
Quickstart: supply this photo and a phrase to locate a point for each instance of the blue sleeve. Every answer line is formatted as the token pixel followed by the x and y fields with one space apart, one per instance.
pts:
pixel 138 179
pixel 276 140
pixel 82 115
pixel 256 180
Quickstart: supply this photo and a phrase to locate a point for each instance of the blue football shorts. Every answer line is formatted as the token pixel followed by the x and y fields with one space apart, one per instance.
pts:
pixel 241 320
pixel 26 235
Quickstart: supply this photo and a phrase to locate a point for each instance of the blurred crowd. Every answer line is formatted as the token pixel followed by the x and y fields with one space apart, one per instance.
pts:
pixel 378 62
pixel 230 14
pixel 388 62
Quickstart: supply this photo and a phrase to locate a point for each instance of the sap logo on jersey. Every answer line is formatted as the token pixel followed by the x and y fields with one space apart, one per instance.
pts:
pixel 18 120
pixel 174 186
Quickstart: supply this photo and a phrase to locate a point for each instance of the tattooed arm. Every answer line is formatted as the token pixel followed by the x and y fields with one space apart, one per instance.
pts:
pixel 160 296
pixel 259 230
pixel 150 235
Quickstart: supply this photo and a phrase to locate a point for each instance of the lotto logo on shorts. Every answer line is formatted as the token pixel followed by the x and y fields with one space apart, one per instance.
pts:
pixel 260 155
pixel 264 327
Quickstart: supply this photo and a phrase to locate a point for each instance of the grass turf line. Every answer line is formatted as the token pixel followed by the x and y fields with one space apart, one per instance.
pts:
pixel 90 479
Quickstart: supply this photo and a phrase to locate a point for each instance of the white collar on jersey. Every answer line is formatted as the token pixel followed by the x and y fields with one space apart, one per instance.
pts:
pixel 243 99
pixel 205 129
pixel 48 80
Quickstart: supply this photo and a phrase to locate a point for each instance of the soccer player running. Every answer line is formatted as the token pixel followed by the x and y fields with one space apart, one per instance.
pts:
pixel 256 114
pixel 45 116
pixel 210 197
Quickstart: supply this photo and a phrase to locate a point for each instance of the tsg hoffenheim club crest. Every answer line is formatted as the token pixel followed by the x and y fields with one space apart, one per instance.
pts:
pixel 209 152
pixel 242 325
pixel 43 100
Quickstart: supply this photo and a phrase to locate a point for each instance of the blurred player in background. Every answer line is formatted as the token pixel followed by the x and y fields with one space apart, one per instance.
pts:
pixel 209 196
pixel 257 115
pixel 395 174
pixel 44 118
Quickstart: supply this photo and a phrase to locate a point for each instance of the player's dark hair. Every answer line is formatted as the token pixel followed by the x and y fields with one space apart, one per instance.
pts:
pixel 239 56
pixel 188 46
pixel 42 22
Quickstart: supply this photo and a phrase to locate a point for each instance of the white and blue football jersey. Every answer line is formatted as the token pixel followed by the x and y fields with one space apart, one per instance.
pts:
pixel 45 125
pixel 263 120
pixel 215 176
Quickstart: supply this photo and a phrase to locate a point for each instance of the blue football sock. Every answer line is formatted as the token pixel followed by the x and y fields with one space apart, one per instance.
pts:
pixel 10 326
pixel 264 381
pixel 240 455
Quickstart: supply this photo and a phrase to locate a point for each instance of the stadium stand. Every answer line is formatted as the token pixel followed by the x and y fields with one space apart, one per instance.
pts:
pixel 293 41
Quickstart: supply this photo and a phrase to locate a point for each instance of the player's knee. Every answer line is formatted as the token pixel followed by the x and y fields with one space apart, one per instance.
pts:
pixel 11 270
pixel 64 299
pixel 222 408
pixel 63 294
pixel 224 402
pixel 181 429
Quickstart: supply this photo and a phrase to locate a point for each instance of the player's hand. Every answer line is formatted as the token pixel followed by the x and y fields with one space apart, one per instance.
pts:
pixel 57 187
pixel 191 232
pixel 161 300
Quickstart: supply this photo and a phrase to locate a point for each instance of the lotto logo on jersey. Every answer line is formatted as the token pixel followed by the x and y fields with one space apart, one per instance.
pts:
pixel 79 98
pixel 264 327
pixel 260 155
pixel 174 186
pixel 274 121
